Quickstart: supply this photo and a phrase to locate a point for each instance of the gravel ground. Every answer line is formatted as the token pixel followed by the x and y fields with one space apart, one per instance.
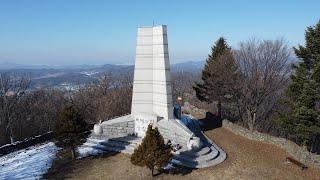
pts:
pixel 246 160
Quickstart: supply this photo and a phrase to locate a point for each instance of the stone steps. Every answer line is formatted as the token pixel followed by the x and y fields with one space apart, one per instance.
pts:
pixel 204 157
pixel 114 143
pixel 126 150
pixel 188 156
pixel 200 152
pixel 131 140
pixel 209 155
pixel 123 144
pixel 196 164
pixel 115 139
pixel 195 161
pixel 204 162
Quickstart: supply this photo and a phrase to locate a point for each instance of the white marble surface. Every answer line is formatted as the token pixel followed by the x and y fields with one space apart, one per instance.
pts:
pixel 152 84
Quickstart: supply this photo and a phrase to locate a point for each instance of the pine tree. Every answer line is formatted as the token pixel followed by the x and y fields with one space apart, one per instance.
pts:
pixel 152 152
pixel 302 118
pixel 70 129
pixel 219 67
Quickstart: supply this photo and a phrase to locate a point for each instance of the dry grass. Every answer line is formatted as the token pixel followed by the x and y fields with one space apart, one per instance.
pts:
pixel 246 160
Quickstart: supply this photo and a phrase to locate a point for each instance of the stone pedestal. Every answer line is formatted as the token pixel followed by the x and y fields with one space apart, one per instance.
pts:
pixel 97 129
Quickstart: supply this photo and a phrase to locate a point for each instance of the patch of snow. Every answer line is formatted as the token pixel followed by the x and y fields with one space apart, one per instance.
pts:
pixel 5 145
pixel 68 87
pixel 174 161
pixel 90 148
pixel 29 163
pixel 52 75
pixel 169 165
pixel 89 73
pixel 34 161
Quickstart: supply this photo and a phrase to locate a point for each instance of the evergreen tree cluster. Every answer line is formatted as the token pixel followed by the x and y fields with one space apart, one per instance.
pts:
pixel 301 116
pixel 152 152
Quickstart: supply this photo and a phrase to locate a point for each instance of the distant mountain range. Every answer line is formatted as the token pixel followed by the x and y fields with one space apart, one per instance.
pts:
pixel 10 66
pixel 66 76
pixel 189 65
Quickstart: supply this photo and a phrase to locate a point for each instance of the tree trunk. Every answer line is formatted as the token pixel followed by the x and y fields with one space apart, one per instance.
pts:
pixel 11 137
pixel 152 172
pixel 251 119
pixel 219 109
pixel 73 153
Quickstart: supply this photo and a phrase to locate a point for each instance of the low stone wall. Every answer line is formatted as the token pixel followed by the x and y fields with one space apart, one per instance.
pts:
pixel 8 148
pixel 118 129
pixel 299 153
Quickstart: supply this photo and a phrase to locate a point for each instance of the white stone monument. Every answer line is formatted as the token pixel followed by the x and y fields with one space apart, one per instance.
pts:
pixel 152 104
pixel 152 97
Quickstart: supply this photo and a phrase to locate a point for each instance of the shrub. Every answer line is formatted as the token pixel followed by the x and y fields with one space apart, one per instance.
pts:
pixel 152 152
pixel 70 129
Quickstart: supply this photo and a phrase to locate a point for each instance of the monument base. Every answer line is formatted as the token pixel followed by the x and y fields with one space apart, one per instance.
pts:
pixel 130 125
pixel 120 135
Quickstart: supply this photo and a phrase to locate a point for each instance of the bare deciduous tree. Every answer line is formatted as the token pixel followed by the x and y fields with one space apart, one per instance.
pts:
pixel 12 90
pixel 265 72
pixel 182 83
pixel 25 113
pixel 110 97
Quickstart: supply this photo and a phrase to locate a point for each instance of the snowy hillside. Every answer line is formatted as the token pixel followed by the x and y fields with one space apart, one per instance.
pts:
pixel 29 163
pixel 34 161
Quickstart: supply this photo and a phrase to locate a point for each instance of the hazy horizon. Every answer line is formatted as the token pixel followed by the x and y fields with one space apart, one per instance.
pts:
pixel 65 33
pixel 81 64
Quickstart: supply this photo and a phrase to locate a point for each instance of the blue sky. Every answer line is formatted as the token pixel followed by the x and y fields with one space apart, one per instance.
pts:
pixel 67 32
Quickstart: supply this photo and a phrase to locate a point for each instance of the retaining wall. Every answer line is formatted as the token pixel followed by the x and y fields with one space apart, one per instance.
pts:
pixel 8 148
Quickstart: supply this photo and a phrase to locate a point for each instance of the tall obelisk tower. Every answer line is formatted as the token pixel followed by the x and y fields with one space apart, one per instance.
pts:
pixel 152 94
pixel 152 104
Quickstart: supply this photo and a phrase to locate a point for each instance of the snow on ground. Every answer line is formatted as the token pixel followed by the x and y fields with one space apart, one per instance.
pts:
pixel 89 73
pixel 90 148
pixel 29 163
pixel 34 161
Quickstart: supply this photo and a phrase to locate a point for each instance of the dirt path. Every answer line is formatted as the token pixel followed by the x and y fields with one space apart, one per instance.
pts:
pixel 246 160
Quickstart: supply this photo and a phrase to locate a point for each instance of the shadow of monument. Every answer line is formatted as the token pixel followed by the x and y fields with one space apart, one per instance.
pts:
pixel 211 121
